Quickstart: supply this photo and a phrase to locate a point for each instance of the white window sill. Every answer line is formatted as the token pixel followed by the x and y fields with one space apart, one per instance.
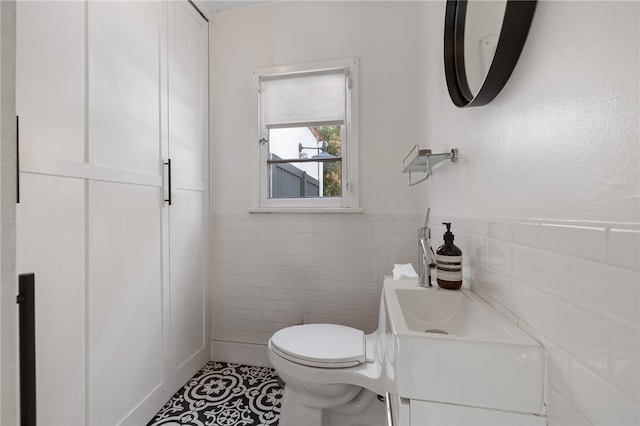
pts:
pixel 313 210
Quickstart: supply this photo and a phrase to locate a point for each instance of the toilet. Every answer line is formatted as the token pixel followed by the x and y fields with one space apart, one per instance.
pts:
pixel 332 375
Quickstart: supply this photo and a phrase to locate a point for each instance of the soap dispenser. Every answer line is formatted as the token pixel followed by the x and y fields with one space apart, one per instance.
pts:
pixel 449 261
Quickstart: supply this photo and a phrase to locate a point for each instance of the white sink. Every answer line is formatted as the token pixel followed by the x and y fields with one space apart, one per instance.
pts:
pixel 483 360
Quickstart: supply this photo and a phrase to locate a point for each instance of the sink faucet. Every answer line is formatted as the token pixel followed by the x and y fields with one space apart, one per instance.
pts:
pixel 425 254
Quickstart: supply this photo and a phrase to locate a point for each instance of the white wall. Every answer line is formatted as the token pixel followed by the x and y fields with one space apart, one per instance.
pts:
pixel 271 271
pixel 545 198
pixel 384 35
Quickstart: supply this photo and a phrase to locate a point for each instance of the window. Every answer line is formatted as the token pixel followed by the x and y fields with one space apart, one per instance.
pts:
pixel 308 135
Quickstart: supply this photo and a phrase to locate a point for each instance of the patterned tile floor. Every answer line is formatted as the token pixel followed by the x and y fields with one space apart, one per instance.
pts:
pixel 222 394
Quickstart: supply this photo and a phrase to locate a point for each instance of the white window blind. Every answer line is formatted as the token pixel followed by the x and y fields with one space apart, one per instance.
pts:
pixel 305 97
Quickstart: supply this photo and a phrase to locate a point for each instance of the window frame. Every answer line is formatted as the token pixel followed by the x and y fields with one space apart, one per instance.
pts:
pixel 349 150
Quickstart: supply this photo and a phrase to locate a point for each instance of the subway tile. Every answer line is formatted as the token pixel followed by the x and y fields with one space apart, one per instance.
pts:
pixel 625 358
pixel 526 234
pixel 285 306
pixel 489 282
pixel 305 261
pixel 499 257
pixel 579 241
pixel 350 227
pixel 500 230
pixel 346 286
pixel 366 325
pixel 474 254
pixel 522 300
pixel 297 227
pixel 387 240
pixel 557 366
pixel 238 291
pixel 624 248
pixel 480 226
pixel 586 337
pixel 374 287
pixel 460 224
pixel 329 297
pixel 598 400
pixel 224 323
pixel 498 306
pixel 225 313
pixel 242 336
pixel 274 316
pixel 561 413
pixel 306 308
pixel 366 299
pixel 291 318
pixel 393 228
pixel 274 294
pixel 306 240
pixel 544 270
pixel 350 262
pixel 308 284
pixel 330 309
pixel 319 274
pixel 296 295
pixel 610 291
pixel 387 264
pixel 371 312
pixel 252 281
pixel 355 275
pixel 463 241
pixel 296 273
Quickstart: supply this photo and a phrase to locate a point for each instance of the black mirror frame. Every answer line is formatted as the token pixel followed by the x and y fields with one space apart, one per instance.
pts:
pixel 517 19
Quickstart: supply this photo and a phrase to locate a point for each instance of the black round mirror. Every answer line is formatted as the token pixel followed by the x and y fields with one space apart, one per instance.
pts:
pixel 499 52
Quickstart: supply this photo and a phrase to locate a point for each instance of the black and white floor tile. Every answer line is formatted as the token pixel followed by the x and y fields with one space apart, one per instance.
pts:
pixel 223 394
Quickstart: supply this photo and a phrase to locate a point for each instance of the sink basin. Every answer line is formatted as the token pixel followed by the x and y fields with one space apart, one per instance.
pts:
pixel 450 346
pixel 448 312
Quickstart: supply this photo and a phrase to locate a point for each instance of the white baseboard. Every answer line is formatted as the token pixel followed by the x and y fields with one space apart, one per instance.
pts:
pixel 240 353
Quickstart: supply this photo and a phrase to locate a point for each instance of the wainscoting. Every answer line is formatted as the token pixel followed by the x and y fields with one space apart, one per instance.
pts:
pixel 574 287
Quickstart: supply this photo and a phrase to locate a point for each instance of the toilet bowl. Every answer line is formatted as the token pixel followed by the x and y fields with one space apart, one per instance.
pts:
pixel 324 367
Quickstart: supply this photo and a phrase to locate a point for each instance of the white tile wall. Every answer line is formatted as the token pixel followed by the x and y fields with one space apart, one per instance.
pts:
pixel 275 270
pixel 576 288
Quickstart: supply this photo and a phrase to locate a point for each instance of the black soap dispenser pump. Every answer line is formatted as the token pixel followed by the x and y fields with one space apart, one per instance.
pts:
pixel 449 261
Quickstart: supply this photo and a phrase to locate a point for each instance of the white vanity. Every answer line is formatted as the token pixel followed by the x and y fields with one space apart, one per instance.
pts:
pixel 451 359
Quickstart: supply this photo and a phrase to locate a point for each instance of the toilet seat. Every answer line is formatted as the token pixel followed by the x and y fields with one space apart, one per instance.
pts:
pixel 321 345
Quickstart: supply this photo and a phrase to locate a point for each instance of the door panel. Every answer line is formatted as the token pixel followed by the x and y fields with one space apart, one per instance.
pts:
pixel 188 94
pixel 187 99
pixel 51 243
pixel 50 75
pixel 124 82
pixel 125 299
pixel 188 282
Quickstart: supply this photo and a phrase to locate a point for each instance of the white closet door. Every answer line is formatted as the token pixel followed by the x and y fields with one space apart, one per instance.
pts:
pixel 188 95
pixel 122 285
pixel 125 300
pixel 51 243
pixel 128 345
